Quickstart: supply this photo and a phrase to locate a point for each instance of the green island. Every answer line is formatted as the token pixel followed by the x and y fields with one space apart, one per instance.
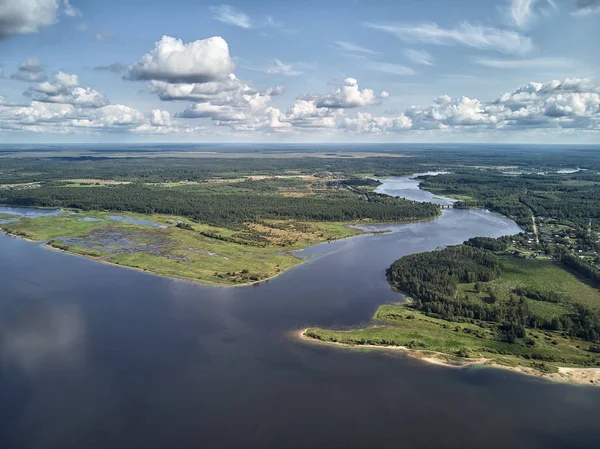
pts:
pixel 478 304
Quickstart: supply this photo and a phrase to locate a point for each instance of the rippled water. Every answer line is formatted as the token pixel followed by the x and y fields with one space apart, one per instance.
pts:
pixel 97 356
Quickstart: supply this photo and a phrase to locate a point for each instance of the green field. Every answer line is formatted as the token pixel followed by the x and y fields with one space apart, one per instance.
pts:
pixel 542 349
pixel 250 253
pixel 402 326
pixel 545 275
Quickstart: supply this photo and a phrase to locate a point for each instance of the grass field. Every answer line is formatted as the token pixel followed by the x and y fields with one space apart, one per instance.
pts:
pixel 544 275
pixel 400 325
pixel 210 254
pixel 405 327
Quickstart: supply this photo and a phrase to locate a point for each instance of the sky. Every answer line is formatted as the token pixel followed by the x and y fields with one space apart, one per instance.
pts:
pixel 303 71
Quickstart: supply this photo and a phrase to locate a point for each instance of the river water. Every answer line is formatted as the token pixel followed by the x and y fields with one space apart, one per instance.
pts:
pixel 97 356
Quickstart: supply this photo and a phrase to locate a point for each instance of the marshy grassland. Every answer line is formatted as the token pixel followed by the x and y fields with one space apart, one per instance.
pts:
pixel 178 247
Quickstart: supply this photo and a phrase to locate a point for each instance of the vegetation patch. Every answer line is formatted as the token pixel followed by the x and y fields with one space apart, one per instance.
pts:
pixel 178 247
pixel 467 303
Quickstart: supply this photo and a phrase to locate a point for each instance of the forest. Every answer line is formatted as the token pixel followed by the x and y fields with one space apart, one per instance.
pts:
pixel 564 197
pixel 432 280
pixel 224 205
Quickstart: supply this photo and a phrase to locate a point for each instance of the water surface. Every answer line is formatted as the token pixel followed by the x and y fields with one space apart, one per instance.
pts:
pixel 136 221
pixel 97 356
pixel 29 212
pixel 408 187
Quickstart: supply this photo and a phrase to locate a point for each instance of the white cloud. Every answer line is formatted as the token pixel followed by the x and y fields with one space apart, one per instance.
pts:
pixel 26 16
pixel 65 89
pixel 224 102
pixel 31 71
pixel 232 16
pixel 349 96
pixel 56 118
pixel 447 111
pixel 69 10
pixel 307 115
pixel 32 65
pixel 475 36
pixel 103 34
pixel 386 67
pixel 586 7
pixel 271 22
pixel 160 118
pixel 364 122
pixel 570 103
pixel 524 12
pixel 115 67
pixel 526 64
pixel 354 48
pixel 278 67
pixel 173 61
pixel 418 56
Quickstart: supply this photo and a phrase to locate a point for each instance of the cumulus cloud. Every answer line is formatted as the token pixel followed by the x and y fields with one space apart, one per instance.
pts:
pixel 65 89
pixel 354 48
pixel 349 96
pixel 364 122
pixel 447 111
pixel 418 56
pixel 40 117
pixel 231 16
pixel 570 103
pixel 474 36
pixel 238 102
pixel 31 71
pixel 173 61
pixel 21 17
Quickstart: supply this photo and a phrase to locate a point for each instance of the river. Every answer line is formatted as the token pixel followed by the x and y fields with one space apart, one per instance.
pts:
pixel 96 356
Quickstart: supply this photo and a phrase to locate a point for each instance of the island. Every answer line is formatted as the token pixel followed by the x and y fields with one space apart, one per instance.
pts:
pixel 480 304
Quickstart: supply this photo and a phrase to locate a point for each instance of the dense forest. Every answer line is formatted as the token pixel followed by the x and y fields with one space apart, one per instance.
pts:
pixel 223 205
pixel 574 197
pixel 149 168
pixel 432 280
pixel 21 170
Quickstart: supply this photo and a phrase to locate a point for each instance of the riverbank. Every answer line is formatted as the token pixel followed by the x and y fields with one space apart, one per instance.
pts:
pixel 570 375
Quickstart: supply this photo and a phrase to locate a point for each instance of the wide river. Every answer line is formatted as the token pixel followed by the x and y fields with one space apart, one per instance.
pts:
pixel 96 356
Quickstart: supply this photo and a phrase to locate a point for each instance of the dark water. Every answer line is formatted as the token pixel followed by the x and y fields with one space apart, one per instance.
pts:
pixel 97 356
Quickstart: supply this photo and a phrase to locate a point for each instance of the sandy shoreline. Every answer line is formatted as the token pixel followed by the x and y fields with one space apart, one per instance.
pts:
pixel 570 375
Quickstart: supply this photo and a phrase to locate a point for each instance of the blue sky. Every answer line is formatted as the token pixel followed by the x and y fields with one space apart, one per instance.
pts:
pixel 407 71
